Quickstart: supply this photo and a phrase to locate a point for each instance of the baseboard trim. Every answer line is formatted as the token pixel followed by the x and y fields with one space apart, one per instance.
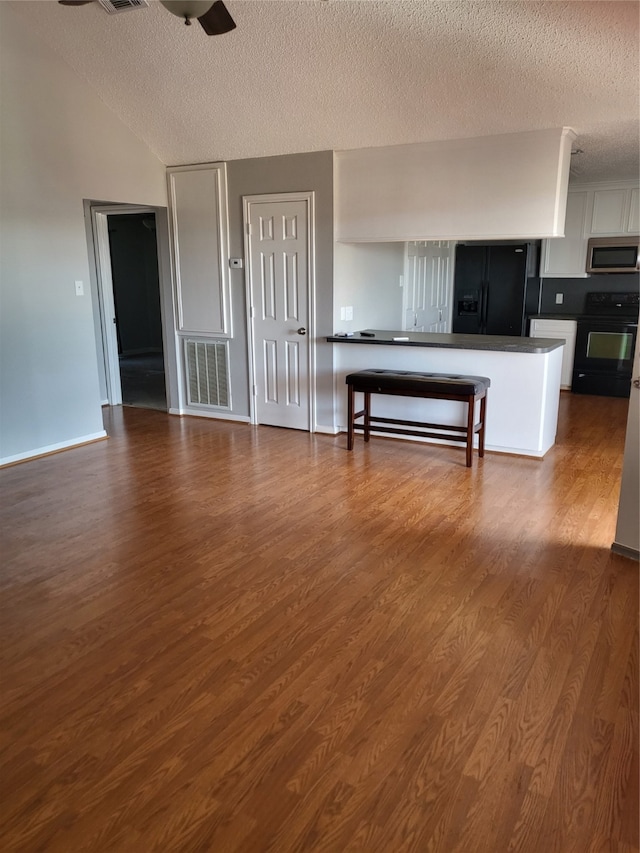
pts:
pixel 218 416
pixel 326 430
pixel 52 448
pixel 625 551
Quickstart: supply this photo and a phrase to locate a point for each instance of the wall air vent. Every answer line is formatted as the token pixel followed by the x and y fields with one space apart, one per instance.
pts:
pixel 207 367
pixel 114 6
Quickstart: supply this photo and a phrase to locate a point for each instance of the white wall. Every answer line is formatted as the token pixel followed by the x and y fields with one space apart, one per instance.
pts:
pixel 59 144
pixel 367 278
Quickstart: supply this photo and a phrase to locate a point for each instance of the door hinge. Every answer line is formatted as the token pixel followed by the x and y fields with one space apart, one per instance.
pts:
pixel 249 232
pixel 252 313
pixel 255 391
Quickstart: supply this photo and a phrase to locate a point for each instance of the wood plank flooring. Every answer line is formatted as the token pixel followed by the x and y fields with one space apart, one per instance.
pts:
pixel 223 638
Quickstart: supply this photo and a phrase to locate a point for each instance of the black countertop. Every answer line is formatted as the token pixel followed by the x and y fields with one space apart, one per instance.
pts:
pixel 492 343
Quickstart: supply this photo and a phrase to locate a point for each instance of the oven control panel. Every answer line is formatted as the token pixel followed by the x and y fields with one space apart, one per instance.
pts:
pixel 612 304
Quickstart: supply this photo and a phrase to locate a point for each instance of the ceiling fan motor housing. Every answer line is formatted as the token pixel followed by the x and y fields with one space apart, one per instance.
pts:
pixel 187 9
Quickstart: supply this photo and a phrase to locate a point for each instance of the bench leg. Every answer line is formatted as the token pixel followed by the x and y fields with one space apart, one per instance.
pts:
pixel 350 396
pixel 483 420
pixel 367 415
pixel 470 423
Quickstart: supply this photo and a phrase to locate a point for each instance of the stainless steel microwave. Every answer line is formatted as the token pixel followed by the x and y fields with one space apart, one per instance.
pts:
pixel 613 254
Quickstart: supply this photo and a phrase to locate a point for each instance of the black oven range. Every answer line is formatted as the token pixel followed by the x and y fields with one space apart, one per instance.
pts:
pixel 605 344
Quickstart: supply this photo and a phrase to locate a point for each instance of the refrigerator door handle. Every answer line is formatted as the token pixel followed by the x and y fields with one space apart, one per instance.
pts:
pixel 483 308
pixel 486 305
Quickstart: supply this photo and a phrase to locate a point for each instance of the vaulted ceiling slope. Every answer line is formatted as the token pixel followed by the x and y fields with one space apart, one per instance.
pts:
pixel 308 75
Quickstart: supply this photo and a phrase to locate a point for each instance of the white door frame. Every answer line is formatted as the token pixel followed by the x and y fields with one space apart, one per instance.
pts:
pixel 310 199
pixel 106 300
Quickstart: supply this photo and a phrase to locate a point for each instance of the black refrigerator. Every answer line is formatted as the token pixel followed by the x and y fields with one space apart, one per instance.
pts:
pixel 493 288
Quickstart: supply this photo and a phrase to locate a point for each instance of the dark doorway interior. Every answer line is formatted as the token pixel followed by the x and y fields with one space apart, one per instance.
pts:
pixel 136 291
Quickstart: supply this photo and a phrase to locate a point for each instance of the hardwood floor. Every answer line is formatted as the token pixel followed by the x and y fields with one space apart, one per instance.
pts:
pixel 224 638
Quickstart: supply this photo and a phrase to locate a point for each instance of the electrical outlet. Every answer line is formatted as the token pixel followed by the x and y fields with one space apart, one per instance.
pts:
pixel 559 298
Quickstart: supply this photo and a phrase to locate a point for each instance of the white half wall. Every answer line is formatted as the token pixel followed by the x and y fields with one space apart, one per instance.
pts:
pixel 519 421
pixel 59 144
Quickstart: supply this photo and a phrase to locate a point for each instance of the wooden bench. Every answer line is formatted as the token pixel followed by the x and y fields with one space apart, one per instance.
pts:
pixel 404 383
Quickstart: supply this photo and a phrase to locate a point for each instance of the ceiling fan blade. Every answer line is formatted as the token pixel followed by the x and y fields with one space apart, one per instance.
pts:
pixel 217 20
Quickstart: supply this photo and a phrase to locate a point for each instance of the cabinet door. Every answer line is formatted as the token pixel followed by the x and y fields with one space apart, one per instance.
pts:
pixel 566 256
pixel 559 330
pixel 609 207
pixel 198 201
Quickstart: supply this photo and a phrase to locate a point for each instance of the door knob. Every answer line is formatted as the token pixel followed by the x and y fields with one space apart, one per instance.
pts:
pixel 302 330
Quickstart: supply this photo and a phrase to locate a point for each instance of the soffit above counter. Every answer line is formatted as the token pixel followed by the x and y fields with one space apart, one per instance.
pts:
pixel 510 186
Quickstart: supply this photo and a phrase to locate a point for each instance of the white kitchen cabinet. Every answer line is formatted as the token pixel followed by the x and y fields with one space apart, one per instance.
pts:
pixel 199 232
pixel 566 256
pixel 608 212
pixel 559 330
pixel 615 211
pixel 593 210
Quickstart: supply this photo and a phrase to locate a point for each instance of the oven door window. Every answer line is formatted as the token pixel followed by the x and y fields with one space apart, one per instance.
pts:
pixel 615 346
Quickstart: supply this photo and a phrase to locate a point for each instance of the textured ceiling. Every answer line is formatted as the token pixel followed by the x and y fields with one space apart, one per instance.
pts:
pixel 308 75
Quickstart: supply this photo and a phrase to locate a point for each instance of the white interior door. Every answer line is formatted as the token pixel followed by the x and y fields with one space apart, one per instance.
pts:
pixel 279 254
pixel 428 288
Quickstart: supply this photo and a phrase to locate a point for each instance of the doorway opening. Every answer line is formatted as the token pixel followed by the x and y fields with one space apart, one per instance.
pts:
pixel 136 292
pixel 126 251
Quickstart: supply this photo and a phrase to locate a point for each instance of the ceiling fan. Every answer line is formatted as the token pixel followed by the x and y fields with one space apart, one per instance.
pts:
pixel 213 17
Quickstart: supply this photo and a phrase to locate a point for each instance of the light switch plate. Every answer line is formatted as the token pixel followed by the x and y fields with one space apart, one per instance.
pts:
pixel 559 298
pixel 79 288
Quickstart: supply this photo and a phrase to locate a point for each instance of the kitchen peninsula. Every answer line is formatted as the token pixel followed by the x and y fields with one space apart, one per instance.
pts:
pixel 522 411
